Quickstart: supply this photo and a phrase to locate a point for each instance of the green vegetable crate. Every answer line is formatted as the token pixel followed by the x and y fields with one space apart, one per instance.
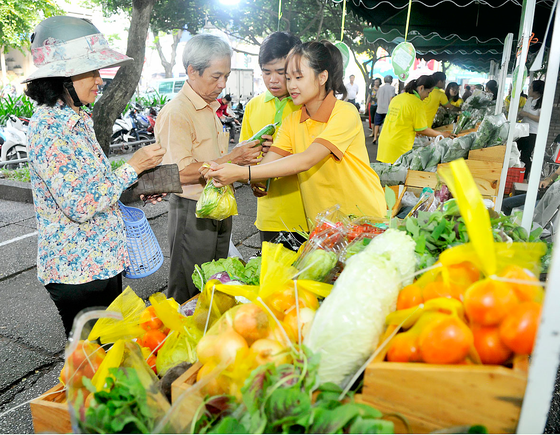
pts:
pixel 434 397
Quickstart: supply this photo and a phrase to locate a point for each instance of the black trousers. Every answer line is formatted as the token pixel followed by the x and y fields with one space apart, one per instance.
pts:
pixel 192 241
pixel 526 146
pixel 70 299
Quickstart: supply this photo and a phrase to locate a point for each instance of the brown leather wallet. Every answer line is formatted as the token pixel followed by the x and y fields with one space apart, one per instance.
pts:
pixel 161 179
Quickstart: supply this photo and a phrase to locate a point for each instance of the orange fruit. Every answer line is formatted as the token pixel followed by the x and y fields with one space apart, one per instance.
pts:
pixel 524 292
pixel 519 329
pixel 489 345
pixel 488 301
pixel 410 296
pixel 445 340
pixel 404 348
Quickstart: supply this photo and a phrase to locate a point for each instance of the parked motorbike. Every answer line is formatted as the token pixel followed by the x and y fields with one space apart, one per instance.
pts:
pixel 13 141
pixel 128 130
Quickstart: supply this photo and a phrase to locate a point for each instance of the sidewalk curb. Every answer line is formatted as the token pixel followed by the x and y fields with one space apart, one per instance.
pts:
pixel 21 192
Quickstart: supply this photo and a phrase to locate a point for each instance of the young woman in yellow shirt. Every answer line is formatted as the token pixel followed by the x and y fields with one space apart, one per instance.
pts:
pixel 323 142
pixel 406 117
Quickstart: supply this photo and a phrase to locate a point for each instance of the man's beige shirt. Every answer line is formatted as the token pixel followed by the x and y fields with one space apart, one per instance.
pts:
pixel 191 132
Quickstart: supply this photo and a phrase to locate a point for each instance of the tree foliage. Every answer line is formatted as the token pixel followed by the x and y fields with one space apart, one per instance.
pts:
pixel 311 20
pixel 18 19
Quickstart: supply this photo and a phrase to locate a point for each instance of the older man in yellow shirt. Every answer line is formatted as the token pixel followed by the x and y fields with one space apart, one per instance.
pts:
pixel 281 207
pixel 192 134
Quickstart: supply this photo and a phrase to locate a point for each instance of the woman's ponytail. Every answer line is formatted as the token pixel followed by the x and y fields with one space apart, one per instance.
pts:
pixel 335 81
pixel 410 86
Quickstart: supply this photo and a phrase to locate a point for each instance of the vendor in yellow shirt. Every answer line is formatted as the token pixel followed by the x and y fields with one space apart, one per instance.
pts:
pixel 452 94
pixel 436 98
pixel 323 142
pixel 406 118
pixel 281 208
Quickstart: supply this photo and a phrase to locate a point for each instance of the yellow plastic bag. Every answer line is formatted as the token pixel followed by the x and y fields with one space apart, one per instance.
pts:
pixel 178 348
pixel 482 251
pixel 216 202
pixel 277 273
pixel 111 330
pixel 210 306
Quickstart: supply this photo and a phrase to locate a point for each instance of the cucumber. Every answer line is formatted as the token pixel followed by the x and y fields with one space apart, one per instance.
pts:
pixel 269 129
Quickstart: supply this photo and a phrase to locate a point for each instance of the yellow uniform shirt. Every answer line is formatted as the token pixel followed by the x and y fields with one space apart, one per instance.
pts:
pixel 405 117
pixel 344 177
pixel 457 103
pixel 282 209
pixel 431 104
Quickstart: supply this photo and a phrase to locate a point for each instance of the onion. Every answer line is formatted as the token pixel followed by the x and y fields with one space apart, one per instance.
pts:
pixel 206 348
pixel 229 344
pixel 269 351
pixel 251 322
pixel 306 318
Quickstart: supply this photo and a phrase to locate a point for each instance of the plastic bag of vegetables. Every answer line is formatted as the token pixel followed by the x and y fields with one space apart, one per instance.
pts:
pixel 349 323
pixel 488 133
pixel 216 202
pixel 459 148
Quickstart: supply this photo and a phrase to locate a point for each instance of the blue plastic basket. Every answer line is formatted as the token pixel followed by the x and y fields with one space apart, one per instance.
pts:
pixel 143 248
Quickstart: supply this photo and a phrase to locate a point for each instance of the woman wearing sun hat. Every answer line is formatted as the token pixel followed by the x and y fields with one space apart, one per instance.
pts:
pixel 81 237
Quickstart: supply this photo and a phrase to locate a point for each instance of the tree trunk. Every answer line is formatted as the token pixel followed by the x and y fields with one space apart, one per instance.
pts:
pixel 119 93
pixel 168 65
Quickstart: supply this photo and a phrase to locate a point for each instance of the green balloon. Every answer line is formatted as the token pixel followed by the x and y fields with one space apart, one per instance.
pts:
pixel 345 51
pixel 403 57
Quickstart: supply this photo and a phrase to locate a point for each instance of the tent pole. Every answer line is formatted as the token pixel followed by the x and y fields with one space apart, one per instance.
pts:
pixel 524 37
pixel 545 359
pixel 544 125
pixel 503 73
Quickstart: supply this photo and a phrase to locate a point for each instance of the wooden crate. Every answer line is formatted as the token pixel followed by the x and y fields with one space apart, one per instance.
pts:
pixel 434 397
pixel 493 154
pixel 185 381
pixel 50 412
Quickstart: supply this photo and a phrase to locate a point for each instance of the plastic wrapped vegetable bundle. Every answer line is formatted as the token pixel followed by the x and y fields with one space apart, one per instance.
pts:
pixel 390 175
pixel 349 323
pixel 490 132
pixel 459 148
pixel 216 202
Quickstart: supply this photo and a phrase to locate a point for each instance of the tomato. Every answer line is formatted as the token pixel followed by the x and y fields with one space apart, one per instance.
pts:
pixel 519 329
pixel 404 348
pixel 153 339
pixel 525 292
pixel 488 301
pixel 440 289
pixel 149 319
pixel 489 346
pixel 463 275
pixel 445 340
pixel 84 361
pixel 410 296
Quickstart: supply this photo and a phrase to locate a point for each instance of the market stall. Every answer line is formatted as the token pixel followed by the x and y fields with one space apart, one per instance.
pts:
pixel 281 343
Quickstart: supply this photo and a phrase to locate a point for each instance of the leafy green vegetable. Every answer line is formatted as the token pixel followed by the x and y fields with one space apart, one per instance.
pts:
pixel 278 400
pixel 317 265
pixel 125 408
pixel 232 265
pixel 252 272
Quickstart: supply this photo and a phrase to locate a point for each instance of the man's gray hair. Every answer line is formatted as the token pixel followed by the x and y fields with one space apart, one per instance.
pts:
pixel 388 78
pixel 202 49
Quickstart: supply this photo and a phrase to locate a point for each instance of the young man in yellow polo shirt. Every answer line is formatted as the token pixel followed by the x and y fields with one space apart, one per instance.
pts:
pixel 281 208
pixel 436 98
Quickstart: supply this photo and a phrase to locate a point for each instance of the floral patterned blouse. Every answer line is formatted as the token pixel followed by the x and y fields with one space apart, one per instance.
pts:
pixel 75 192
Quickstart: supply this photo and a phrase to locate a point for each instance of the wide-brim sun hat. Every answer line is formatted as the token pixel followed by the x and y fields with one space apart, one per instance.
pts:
pixel 67 46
